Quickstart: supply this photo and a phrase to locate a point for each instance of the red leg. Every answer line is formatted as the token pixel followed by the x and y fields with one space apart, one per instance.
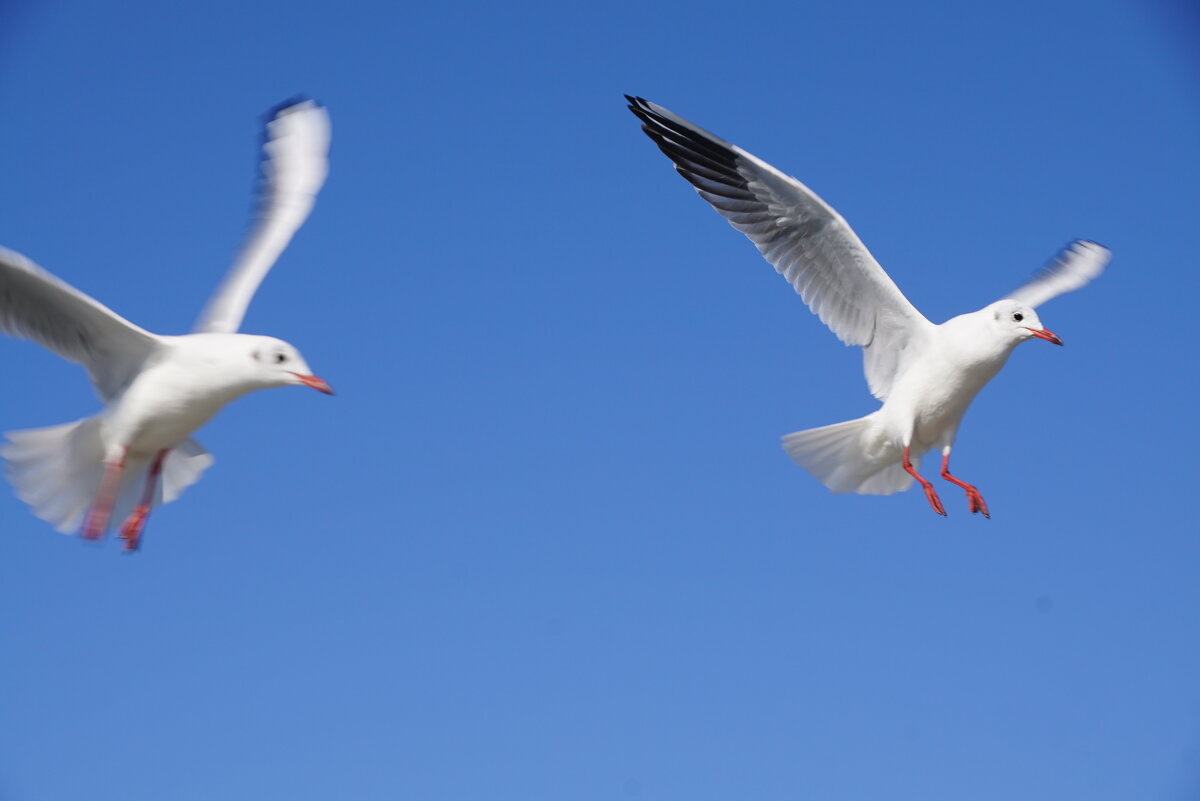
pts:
pixel 131 531
pixel 930 495
pixel 974 499
pixel 96 522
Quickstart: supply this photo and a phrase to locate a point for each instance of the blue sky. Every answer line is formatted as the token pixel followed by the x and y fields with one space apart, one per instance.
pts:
pixel 544 544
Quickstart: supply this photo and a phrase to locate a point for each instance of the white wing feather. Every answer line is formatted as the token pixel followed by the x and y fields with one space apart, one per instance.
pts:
pixel 1078 264
pixel 801 236
pixel 294 163
pixel 35 305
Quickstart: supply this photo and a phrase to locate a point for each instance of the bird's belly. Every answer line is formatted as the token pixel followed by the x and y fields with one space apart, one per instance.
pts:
pixel 164 429
pixel 157 415
pixel 938 416
pixel 935 401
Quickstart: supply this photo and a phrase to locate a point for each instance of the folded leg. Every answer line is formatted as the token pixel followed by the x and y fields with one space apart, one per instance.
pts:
pixel 96 522
pixel 930 494
pixel 131 531
pixel 974 499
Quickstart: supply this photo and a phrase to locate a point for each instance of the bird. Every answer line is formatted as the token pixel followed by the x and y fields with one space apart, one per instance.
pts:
pixel 137 452
pixel 925 375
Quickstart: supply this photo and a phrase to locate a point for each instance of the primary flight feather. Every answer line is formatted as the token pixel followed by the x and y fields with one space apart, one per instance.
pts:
pixel 136 453
pixel 926 375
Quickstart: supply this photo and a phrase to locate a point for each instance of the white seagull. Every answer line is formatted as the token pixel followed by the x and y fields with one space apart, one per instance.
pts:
pixel 158 389
pixel 926 375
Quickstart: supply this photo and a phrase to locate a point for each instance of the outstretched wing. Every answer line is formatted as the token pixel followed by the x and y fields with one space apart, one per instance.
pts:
pixel 293 166
pixel 800 235
pixel 1077 264
pixel 35 305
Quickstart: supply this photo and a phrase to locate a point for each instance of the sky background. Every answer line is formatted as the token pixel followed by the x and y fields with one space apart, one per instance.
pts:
pixel 544 544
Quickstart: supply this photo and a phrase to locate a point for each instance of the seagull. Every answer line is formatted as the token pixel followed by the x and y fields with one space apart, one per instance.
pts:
pixel 158 389
pixel 925 375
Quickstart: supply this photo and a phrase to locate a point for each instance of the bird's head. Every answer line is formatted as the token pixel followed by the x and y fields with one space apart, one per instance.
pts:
pixel 278 364
pixel 1019 322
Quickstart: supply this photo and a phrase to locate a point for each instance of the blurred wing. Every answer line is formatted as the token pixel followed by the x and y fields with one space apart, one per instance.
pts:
pixel 800 235
pixel 35 305
pixel 293 165
pixel 1075 266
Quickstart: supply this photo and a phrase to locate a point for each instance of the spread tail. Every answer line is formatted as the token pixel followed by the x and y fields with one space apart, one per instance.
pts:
pixel 850 457
pixel 57 471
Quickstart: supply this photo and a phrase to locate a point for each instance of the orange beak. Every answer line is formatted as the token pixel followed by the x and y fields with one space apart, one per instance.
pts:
pixel 1045 334
pixel 316 383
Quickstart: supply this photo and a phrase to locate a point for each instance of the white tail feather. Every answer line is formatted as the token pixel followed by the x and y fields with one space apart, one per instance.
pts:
pixel 850 457
pixel 57 471
pixel 182 469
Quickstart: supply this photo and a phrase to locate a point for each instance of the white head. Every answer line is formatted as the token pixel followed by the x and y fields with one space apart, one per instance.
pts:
pixel 275 363
pixel 1018 322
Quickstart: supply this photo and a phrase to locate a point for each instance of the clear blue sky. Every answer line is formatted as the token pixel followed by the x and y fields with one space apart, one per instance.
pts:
pixel 544 544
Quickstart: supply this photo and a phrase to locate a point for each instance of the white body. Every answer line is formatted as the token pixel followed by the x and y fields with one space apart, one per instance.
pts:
pixel 929 398
pixel 180 389
pixel 181 386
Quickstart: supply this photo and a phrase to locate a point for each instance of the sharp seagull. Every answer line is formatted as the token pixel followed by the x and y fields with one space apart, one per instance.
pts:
pixel 926 375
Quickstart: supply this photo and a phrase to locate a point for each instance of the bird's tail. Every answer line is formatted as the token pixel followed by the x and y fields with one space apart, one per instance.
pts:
pixel 58 470
pixel 850 457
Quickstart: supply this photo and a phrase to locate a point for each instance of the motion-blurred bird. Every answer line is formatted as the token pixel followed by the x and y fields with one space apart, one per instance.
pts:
pixel 925 374
pixel 158 389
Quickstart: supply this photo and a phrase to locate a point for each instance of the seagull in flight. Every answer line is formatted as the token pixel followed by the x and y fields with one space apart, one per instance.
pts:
pixel 137 452
pixel 925 375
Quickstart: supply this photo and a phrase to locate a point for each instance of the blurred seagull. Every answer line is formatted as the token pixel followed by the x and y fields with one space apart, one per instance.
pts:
pixel 158 389
pixel 925 374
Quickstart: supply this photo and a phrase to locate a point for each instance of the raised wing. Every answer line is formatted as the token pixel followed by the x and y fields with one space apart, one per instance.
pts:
pixel 800 235
pixel 293 166
pixel 35 305
pixel 1077 264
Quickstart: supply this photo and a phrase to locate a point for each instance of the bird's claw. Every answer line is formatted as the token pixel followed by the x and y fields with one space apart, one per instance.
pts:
pixel 94 526
pixel 131 531
pixel 934 501
pixel 976 504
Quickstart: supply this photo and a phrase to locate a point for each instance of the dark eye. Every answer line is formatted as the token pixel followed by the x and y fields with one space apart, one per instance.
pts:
pixel 280 358
pixel 1018 317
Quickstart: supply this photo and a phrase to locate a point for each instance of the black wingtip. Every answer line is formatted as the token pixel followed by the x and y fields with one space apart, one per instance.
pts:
pixel 1076 245
pixel 641 107
pixel 637 106
pixel 282 107
pixel 681 140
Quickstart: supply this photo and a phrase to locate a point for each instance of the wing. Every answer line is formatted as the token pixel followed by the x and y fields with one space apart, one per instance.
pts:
pixel 800 235
pixel 35 305
pixel 293 165
pixel 1075 266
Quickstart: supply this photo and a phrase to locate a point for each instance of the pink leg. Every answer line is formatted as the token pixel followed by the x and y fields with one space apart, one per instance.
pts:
pixel 930 495
pixel 131 531
pixel 974 499
pixel 96 522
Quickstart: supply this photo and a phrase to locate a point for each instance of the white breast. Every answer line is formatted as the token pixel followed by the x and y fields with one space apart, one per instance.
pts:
pixel 174 396
pixel 929 399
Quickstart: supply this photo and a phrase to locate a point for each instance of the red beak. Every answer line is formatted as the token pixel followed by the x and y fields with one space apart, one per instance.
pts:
pixel 1045 334
pixel 316 383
